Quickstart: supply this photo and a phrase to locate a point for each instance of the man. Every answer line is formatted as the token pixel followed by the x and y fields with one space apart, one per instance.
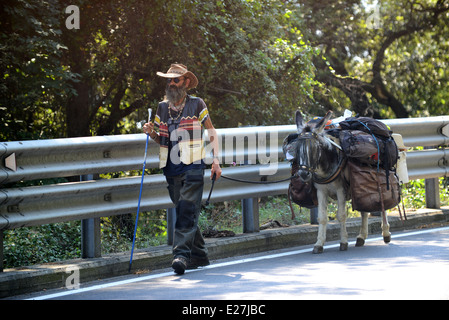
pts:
pixel 179 121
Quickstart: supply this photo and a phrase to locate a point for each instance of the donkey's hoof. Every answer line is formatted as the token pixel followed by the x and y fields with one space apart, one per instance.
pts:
pixel 343 246
pixel 387 239
pixel 360 242
pixel 318 249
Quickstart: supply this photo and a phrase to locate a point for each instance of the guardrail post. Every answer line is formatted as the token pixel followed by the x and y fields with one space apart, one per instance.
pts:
pixel 90 238
pixel 1 250
pixel 433 193
pixel 432 187
pixel 171 220
pixel 90 232
pixel 250 211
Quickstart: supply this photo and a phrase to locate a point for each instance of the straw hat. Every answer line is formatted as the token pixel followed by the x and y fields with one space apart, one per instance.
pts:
pixel 179 70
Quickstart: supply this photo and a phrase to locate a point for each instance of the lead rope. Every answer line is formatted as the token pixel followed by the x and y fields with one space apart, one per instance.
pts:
pixel 257 182
pixel 211 188
pixel 244 181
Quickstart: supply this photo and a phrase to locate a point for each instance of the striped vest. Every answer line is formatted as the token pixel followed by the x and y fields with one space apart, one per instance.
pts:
pixel 188 136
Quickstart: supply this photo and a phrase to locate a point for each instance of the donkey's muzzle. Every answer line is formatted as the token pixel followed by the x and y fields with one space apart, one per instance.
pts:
pixel 305 175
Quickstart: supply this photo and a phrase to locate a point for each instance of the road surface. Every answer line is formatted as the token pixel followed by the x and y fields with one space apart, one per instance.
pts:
pixel 415 265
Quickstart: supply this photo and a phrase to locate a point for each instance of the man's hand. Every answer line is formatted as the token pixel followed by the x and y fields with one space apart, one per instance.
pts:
pixel 148 127
pixel 215 170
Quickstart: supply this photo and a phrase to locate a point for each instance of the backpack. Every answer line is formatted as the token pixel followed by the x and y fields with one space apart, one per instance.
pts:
pixel 365 147
pixel 360 145
pixel 356 142
pixel 302 193
pixel 366 124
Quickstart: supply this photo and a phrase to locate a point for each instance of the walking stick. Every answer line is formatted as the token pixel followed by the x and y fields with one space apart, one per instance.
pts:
pixel 140 195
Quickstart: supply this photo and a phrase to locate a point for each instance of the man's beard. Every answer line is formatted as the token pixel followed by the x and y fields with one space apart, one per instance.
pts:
pixel 173 94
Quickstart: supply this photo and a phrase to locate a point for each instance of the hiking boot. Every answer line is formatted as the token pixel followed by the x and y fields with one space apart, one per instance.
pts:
pixel 196 262
pixel 179 265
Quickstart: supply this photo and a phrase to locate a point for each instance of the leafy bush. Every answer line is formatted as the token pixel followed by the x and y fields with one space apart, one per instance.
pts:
pixel 47 243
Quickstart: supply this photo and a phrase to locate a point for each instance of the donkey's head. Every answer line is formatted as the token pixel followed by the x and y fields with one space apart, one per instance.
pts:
pixel 315 125
pixel 306 148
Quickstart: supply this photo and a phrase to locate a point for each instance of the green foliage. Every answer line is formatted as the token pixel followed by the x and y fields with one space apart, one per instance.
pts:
pixel 228 215
pixel 62 241
pixel 277 208
pixel 47 243
pixel 257 61
pixel 33 82
pixel 387 55
pixel 252 62
pixel 414 193
pixel 117 232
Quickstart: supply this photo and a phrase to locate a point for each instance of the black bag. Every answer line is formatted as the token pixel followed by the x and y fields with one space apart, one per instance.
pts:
pixel 302 193
pixel 366 124
pixel 356 143
pixel 360 145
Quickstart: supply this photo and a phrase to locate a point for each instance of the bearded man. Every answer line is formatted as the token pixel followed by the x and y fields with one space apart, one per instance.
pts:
pixel 178 129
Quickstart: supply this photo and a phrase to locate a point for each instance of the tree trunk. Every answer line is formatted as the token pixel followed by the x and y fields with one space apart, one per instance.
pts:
pixel 77 111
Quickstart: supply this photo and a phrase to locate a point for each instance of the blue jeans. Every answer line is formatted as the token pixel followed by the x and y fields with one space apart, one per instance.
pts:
pixel 186 192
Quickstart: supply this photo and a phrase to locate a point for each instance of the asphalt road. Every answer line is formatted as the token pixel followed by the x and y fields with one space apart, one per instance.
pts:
pixel 414 265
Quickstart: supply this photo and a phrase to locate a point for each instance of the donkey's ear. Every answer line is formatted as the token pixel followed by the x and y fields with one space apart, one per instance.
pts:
pixel 299 121
pixel 322 124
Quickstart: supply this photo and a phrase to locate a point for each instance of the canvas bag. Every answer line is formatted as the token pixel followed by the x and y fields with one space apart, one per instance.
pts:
pixel 364 183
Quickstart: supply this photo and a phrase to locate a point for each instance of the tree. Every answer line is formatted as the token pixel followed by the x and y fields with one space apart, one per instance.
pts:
pixel 377 53
pixel 33 82
pixel 255 67
pixel 100 79
pixel 258 61
pixel 235 47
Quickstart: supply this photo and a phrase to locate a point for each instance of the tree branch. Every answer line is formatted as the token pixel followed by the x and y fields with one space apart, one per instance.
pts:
pixel 378 88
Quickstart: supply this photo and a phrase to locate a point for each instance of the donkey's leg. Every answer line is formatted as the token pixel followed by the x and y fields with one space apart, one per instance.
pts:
pixel 363 230
pixel 322 220
pixel 385 228
pixel 341 216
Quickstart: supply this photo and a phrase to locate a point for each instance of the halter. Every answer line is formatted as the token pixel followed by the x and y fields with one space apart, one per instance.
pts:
pixel 313 168
pixel 308 136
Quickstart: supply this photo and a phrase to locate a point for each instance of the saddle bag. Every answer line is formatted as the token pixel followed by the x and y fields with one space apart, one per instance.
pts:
pixel 369 190
pixel 302 193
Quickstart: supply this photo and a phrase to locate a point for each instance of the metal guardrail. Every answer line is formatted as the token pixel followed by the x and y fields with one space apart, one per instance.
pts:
pixel 42 159
pixel 99 198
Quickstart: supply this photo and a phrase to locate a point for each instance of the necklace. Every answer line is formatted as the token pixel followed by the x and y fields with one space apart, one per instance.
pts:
pixel 179 109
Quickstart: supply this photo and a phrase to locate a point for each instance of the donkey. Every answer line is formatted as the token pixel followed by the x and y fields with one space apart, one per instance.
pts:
pixel 320 159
